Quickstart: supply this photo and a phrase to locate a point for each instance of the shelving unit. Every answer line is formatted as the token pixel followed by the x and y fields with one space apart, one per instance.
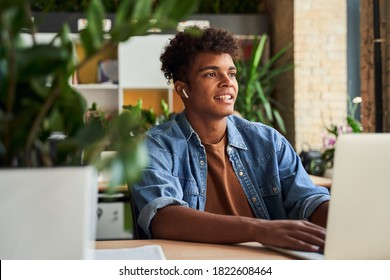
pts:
pixel 105 95
pixel 139 74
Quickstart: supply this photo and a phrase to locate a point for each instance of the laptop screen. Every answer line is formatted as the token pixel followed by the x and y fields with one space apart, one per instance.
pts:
pixel 359 213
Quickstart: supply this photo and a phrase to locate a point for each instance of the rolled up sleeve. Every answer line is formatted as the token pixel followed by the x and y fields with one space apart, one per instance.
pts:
pixel 149 211
pixel 158 187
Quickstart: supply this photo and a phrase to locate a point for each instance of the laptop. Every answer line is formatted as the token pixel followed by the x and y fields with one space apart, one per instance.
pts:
pixel 358 225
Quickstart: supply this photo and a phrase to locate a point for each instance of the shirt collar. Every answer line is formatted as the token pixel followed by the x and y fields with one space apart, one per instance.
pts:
pixel 234 137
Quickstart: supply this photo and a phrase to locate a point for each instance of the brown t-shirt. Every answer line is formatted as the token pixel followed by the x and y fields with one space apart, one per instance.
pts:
pixel 224 193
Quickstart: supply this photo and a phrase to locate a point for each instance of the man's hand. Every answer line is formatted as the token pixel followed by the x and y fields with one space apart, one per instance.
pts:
pixel 297 235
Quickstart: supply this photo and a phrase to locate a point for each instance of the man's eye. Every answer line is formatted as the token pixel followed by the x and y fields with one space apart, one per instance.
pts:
pixel 212 74
pixel 233 74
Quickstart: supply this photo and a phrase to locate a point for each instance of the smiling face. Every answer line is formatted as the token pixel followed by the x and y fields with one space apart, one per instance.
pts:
pixel 211 88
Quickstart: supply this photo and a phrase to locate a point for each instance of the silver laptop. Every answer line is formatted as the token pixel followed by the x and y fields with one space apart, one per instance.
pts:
pixel 359 212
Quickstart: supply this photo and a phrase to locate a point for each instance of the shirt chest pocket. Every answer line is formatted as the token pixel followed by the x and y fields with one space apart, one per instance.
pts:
pixel 190 192
pixel 271 188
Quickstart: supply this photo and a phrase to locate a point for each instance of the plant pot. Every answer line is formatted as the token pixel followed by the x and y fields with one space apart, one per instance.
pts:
pixel 48 213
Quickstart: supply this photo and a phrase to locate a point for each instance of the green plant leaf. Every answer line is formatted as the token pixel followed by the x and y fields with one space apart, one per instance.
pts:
pixel 14 17
pixel 177 9
pixel 269 64
pixel 72 106
pixel 92 36
pixel 136 160
pixel 257 54
pixel 40 60
pixel 264 101
pixel 257 80
pixel 142 9
pixel 354 124
pixel 67 43
pixel 279 121
pixel 332 129
pixel 121 20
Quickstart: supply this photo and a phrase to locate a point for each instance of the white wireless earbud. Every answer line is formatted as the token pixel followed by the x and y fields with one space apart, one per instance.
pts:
pixel 185 94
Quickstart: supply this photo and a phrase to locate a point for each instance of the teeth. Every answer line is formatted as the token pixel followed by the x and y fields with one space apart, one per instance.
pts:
pixel 223 97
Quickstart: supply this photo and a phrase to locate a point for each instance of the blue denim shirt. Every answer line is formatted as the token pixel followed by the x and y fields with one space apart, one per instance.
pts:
pixel 269 170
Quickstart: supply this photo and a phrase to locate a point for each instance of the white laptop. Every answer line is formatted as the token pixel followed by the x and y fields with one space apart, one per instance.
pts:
pixel 359 212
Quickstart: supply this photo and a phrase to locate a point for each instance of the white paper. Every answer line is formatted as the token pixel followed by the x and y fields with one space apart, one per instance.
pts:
pixel 148 252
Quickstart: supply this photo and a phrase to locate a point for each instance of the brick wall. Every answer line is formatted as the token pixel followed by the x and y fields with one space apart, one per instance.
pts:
pixel 315 93
pixel 320 40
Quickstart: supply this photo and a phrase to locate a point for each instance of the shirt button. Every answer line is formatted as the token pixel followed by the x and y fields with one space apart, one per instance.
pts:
pixel 254 199
pixel 202 162
pixel 241 173
pixel 275 189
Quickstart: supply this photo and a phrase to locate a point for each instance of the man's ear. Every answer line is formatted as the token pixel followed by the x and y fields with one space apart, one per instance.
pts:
pixel 180 88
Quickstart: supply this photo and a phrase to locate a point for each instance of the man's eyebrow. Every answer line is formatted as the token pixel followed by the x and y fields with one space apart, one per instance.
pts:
pixel 212 67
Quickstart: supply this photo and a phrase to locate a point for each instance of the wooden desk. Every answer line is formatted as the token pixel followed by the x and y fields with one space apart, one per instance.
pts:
pixel 178 250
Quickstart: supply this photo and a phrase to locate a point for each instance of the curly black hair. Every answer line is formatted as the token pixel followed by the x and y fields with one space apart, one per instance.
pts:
pixel 182 49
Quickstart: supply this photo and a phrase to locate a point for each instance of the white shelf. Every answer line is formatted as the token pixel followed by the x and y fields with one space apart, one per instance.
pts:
pixel 96 86
pixel 105 96
pixel 139 62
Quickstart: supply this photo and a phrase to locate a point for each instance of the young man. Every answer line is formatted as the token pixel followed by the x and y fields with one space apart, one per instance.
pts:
pixel 216 177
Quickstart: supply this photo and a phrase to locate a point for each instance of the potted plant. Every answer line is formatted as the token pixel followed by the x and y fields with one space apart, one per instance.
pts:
pixel 332 132
pixel 43 130
pixel 257 79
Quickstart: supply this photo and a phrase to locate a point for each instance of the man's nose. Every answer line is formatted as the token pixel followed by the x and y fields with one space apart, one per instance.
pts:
pixel 226 80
